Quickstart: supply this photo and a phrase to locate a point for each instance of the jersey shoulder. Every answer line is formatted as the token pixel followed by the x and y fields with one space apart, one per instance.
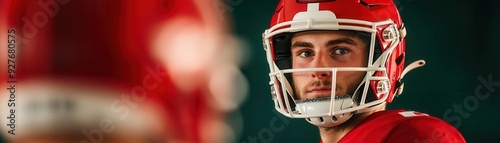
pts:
pixel 424 129
pixel 401 126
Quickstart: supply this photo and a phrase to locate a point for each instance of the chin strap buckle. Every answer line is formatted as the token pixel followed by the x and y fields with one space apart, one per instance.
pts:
pixel 400 84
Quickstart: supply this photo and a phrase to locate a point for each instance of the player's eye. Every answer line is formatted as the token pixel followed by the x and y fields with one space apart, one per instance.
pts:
pixel 306 53
pixel 340 51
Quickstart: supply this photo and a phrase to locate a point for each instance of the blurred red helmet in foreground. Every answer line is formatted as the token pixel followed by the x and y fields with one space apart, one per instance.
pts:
pixel 116 71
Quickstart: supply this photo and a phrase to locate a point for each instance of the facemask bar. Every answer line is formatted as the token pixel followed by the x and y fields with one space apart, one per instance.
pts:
pixel 286 91
pixel 282 103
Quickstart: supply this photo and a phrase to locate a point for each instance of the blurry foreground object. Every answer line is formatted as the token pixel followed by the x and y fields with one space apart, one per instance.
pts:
pixel 119 71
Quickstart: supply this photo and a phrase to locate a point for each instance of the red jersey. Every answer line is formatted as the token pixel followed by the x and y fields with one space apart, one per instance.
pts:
pixel 400 126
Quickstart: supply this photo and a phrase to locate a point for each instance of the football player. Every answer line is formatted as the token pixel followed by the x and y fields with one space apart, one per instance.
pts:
pixel 337 63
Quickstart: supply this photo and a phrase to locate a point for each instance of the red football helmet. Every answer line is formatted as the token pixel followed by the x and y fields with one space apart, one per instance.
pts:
pixel 379 18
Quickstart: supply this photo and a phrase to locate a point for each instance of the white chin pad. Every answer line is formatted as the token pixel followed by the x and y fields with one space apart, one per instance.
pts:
pixel 317 108
pixel 322 105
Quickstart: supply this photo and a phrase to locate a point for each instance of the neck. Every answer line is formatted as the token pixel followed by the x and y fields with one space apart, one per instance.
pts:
pixel 334 134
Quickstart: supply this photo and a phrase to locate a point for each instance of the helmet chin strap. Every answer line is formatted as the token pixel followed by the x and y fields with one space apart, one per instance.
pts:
pixel 412 66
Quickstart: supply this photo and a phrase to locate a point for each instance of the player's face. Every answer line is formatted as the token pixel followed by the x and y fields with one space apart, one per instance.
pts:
pixel 321 49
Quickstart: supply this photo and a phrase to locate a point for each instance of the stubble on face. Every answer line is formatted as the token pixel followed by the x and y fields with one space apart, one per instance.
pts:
pixel 344 86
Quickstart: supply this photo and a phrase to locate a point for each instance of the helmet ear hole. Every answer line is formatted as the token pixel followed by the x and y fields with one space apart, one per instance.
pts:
pixel 321 119
pixel 334 119
pixel 308 119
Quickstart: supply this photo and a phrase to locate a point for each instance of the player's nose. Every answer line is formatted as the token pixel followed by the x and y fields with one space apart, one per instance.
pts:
pixel 322 60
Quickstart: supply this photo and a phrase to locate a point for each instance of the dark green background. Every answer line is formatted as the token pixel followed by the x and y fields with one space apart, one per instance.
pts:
pixel 457 38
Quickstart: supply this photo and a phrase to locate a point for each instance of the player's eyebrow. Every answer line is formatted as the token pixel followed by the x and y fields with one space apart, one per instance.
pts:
pixel 302 44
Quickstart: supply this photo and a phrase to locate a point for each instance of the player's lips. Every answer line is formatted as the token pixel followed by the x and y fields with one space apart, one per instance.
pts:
pixel 320 90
